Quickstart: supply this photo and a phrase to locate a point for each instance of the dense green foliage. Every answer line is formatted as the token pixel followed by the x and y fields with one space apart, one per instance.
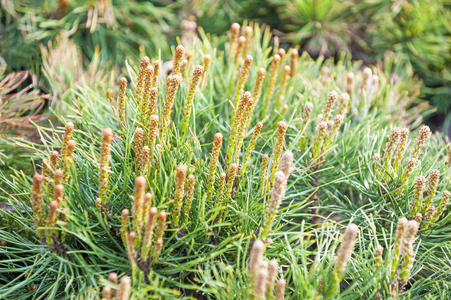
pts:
pixel 334 180
pixel 120 29
pixel 418 31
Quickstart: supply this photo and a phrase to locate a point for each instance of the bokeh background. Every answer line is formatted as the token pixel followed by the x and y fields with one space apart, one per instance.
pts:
pixel 100 35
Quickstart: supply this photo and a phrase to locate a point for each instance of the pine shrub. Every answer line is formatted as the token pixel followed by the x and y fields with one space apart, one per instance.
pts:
pixel 230 172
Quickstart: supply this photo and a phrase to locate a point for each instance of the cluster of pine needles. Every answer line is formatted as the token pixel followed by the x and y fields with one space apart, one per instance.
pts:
pixel 238 169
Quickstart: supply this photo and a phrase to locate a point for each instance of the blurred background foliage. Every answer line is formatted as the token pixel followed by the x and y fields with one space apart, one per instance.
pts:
pixel 118 28
pixel 418 31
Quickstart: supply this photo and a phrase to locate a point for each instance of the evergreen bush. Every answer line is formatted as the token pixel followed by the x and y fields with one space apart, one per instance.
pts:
pixel 231 172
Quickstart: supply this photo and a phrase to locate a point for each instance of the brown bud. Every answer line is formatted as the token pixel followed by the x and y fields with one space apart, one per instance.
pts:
pixel 54 159
pixel 280 289
pixel 58 177
pixel 58 193
pixel 124 288
pixel 106 292
pixel 177 58
pixel 66 138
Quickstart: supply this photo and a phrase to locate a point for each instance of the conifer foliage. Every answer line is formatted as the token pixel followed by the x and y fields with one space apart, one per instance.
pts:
pixel 235 170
